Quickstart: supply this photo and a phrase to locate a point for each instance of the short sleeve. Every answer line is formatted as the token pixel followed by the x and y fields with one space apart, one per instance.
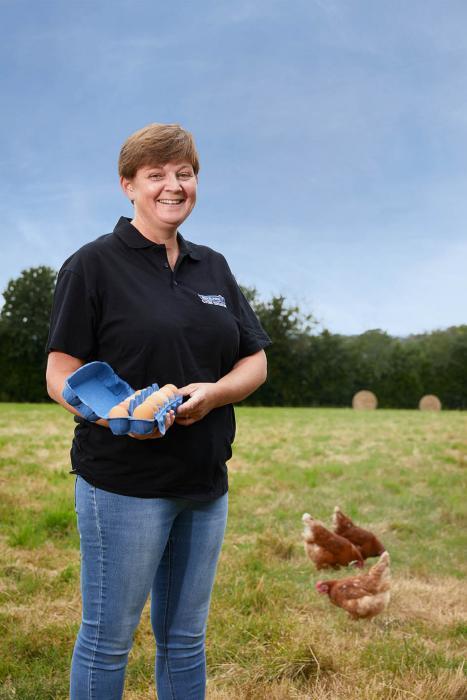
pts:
pixel 253 337
pixel 73 318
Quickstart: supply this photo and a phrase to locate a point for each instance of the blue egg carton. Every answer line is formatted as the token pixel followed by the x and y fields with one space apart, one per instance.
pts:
pixel 94 389
pixel 144 427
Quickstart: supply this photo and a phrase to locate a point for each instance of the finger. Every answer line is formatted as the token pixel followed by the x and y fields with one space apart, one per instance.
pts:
pixel 154 436
pixel 186 407
pixel 169 419
pixel 135 436
pixel 186 390
pixel 191 404
pixel 147 436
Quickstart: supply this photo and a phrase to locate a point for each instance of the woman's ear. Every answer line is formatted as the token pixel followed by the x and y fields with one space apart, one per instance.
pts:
pixel 127 188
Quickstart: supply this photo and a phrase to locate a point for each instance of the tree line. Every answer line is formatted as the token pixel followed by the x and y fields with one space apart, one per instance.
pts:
pixel 307 366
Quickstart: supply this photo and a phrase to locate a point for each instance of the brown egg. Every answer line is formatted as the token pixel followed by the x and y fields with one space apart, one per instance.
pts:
pixel 145 411
pixel 134 395
pixel 157 399
pixel 126 402
pixel 118 411
pixel 168 391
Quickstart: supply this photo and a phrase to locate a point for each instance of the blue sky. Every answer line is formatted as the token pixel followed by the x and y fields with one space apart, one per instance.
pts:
pixel 332 137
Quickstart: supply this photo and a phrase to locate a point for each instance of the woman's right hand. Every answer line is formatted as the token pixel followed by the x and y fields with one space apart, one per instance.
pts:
pixel 169 421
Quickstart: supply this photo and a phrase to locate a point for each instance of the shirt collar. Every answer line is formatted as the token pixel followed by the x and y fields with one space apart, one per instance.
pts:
pixel 130 235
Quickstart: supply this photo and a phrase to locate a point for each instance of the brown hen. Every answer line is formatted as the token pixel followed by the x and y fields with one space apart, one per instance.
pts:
pixel 368 544
pixel 364 595
pixel 326 549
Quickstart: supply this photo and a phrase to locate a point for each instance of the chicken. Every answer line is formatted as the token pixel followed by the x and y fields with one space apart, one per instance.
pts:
pixel 326 549
pixel 364 595
pixel 368 544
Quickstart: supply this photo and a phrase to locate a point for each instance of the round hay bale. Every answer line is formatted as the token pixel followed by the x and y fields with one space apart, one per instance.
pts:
pixel 364 401
pixel 430 402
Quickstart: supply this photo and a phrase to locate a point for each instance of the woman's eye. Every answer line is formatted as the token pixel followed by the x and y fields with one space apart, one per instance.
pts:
pixel 184 176
pixel 156 176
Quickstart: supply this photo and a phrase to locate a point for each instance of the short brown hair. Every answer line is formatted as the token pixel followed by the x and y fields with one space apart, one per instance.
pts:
pixel 156 144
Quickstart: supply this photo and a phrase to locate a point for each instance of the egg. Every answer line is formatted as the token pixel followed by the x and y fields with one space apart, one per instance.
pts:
pixel 145 411
pixel 168 391
pixel 156 399
pixel 118 411
pixel 134 395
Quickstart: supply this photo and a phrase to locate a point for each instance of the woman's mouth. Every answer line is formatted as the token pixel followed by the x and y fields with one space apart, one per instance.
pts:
pixel 170 201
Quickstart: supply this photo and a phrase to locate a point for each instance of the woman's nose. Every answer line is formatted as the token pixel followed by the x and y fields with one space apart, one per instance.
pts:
pixel 171 182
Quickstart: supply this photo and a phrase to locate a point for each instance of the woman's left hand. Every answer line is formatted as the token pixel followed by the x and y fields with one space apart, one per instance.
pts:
pixel 246 375
pixel 204 396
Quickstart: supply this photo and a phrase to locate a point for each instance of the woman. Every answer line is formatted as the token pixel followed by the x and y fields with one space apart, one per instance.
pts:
pixel 152 511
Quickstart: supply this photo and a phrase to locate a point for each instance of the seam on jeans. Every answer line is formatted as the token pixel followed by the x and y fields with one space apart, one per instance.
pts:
pixel 76 482
pixel 101 583
pixel 166 615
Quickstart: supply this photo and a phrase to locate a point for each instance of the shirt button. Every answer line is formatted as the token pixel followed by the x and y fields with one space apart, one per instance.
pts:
pixel 166 264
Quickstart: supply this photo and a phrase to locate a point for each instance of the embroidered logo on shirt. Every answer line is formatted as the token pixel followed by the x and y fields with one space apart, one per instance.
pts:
pixel 216 299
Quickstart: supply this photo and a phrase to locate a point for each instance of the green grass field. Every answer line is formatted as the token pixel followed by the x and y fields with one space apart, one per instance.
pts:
pixel 271 636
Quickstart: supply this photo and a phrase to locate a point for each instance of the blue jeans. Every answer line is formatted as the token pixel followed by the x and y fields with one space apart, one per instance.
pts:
pixel 131 547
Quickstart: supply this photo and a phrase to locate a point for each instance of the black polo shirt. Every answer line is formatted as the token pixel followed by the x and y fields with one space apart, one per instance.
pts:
pixel 117 300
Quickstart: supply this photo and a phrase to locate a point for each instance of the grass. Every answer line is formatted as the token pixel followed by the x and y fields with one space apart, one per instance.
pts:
pixel 271 636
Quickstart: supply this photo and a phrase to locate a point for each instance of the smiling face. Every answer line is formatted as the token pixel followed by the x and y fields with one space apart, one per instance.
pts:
pixel 163 197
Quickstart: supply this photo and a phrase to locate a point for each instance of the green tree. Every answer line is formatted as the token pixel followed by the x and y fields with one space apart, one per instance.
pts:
pixel 400 385
pixel 24 323
pixel 444 364
pixel 329 373
pixel 286 326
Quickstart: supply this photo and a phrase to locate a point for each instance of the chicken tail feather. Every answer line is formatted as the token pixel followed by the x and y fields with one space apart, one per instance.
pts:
pixel 381 568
